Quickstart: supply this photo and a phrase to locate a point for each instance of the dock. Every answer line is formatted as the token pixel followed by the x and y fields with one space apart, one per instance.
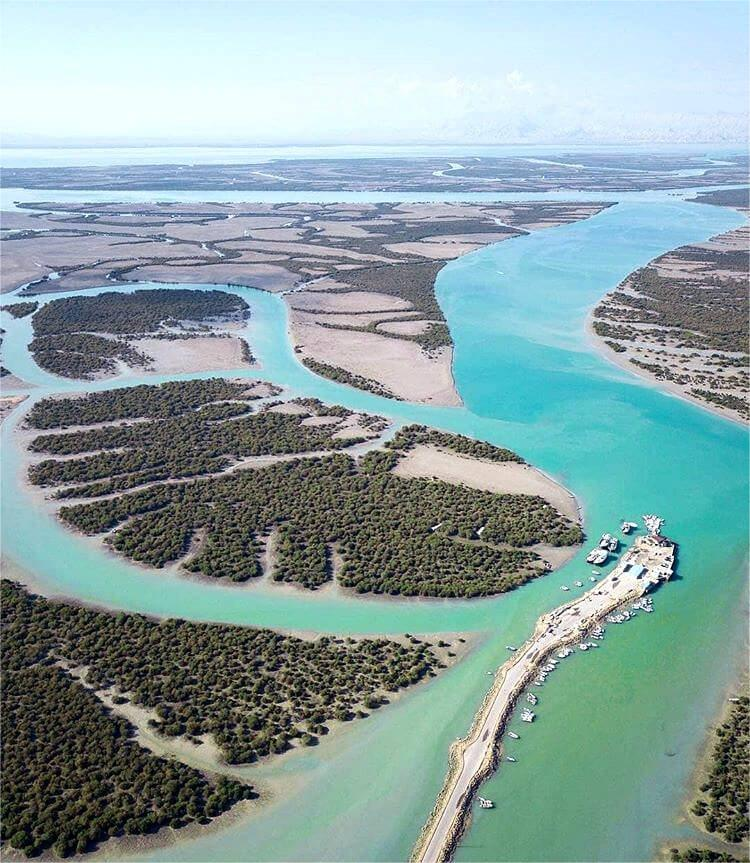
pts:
pixel 472 759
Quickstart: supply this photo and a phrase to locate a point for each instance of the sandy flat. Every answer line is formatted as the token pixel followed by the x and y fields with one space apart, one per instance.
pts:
pixel 404 328
pixel 498 477
pixel 288 408
pixel 8 404
pixel 434 251
pixel 198 354
pixel 401 366
pixel 354 302
pixel 265 276
pixel 321 421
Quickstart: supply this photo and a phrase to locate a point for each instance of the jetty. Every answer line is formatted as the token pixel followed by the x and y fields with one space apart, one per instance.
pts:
pixel 472 759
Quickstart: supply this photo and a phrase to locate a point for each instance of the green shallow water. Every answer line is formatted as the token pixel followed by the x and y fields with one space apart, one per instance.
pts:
pixel 593 780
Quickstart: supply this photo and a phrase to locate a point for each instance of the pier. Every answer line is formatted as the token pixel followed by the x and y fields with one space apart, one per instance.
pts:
pixel 474 758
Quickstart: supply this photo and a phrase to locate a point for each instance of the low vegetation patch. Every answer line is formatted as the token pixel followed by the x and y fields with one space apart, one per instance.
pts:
pixel 724 808
pixel 73 336
pixel 256 693
pixel 21 310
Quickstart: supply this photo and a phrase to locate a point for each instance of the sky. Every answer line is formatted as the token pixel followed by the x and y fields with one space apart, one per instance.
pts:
pixel 270 73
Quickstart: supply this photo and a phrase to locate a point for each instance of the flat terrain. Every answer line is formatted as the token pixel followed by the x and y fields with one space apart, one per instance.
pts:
pixel 358 278
pixel 278 489
pixel 587 171
pixel 682 321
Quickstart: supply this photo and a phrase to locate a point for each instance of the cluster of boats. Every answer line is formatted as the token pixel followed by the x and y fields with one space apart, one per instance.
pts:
pixel 645 603
pixel 608 544
pixel 620 617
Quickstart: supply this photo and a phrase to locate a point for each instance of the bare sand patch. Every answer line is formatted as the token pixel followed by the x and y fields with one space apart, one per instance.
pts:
pixel 288 408
pixel 434 251
pixel 268 277
pixel 196 354
pixel 498 477
pixel 405 328
pixel 8 404
pixel 354 302
pixel 337 229
pixel 401 366
pixel 321 421
pixel 224 229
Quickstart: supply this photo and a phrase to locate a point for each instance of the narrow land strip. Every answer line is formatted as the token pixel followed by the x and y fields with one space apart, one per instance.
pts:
pixel 473 758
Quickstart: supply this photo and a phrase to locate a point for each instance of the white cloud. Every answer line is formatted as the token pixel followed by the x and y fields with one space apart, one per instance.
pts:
pixel 518 83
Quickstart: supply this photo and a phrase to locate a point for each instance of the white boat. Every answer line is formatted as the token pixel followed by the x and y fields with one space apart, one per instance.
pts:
pixel 527 715
pixel 510 647
pixel 597 556
pixel 513 735
pixel 484 803
pixel 592 578
pixel 531 698
pixel 583 646
pixel 628 527
pixel 509 758
pixel 578 583
pixel 609 542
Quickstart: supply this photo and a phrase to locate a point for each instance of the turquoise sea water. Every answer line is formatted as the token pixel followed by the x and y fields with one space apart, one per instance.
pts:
pixel 600 775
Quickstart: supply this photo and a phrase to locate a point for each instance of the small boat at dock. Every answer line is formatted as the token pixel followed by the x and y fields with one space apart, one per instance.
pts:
pixel 527 715
pixel 597 556
pixel 531 698
pixel 609 542
pixel 484 803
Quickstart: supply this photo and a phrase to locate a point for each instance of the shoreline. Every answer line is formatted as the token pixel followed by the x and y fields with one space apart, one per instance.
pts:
pixel 699 773
pixel 472 759
pixel 649 379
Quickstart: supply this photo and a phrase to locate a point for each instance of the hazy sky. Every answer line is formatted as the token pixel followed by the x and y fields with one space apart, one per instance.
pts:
pixel 307 72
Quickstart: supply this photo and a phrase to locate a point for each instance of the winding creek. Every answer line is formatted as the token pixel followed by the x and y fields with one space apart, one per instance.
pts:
pixel 600 773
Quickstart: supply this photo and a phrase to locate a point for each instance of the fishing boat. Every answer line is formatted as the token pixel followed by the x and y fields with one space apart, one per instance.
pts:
pixel 513 735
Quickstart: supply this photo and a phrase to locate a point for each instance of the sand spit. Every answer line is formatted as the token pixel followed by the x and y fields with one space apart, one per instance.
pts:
pixel 474 758
pixel 424 460
pixel 399 365
pixel 195 354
